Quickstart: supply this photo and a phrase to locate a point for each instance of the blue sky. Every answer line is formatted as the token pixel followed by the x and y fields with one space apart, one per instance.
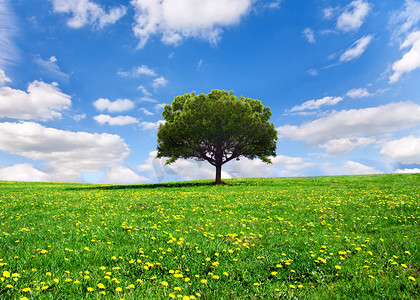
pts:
pixel 83 84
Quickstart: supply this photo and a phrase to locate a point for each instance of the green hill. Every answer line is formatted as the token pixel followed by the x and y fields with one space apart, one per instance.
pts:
pixel 309 238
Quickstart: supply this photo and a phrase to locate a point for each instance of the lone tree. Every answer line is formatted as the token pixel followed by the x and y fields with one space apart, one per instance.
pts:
pixel 216 127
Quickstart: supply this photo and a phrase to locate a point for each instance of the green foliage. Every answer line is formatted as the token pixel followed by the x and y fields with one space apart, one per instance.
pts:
pixel 217 128
pixel 351 237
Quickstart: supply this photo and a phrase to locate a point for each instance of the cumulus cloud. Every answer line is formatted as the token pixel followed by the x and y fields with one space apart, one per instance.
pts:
pixel 405 150
pixel 115 121
pixel 357 49
pixel 410 60
pixel 120 174
pixel 50 65
pixel 407 171
pixel 316 104
pixel 353 16
pixel 159 82
pixel 42 101
pixel 358 93
pixel 355 123
pixel 23 172
pixel 84 12
pixel 151 125
pixel 3 78
pixel 193 170
pixel 143 70
pixel 8 29
pixel 118 105
pixel 309 35
pixel 356 168
pixel 146 111
pixel 65 153
pixel 200 18
pixel 342 146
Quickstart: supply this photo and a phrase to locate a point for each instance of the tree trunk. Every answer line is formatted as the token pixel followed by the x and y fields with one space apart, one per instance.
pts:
pixel 218 174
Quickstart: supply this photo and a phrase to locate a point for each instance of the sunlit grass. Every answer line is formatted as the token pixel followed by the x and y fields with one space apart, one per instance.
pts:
pixel 314 238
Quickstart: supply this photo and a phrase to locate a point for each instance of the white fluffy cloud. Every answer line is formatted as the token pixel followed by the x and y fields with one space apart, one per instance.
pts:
pixel 309 35
pixel 119 120
pixel 66 153
pixel 120 174
pixel 411 60
pixel 354 123
pixel 159 82
pixel 353 16
pixel 175 20
pixel 3 78
pixel 316 104
pixel 358 93
pixel 193 170
pixel 23 172
pixel 407 171
pixel 42 101
pixel 86 12
pixel 357 49
pixel 118 105
pixel 405 150
pixel 151 125
pixel 342 146
pixel 139 71
pixel 356 168
pixel 50 65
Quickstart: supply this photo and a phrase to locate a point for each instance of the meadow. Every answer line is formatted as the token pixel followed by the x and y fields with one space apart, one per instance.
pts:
pixel 270 238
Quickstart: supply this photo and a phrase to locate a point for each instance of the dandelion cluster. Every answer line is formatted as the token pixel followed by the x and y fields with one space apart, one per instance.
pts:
pixel 268 237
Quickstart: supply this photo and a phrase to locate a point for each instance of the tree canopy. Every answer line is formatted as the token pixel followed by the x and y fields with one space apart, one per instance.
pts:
pixel 217 128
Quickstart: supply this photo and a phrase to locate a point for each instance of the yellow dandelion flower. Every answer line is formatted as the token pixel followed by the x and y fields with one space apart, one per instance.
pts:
pixel 6 274
pixel 411 278
pixel 256 284
pixel 292 286
pixel 118 289
pixel 338 267
pixel 101 286
pixel 216 277
pixel 26 290
pixel 172 296
pixel 203 280
pixel 9 286
pixel 226 273
pixel 90 289
pixel 165 283
pixel 177 288
pixel 274 273
pixel 404 266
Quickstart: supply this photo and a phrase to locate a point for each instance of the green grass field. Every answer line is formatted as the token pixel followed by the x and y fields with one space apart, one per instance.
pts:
pixel 273 238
